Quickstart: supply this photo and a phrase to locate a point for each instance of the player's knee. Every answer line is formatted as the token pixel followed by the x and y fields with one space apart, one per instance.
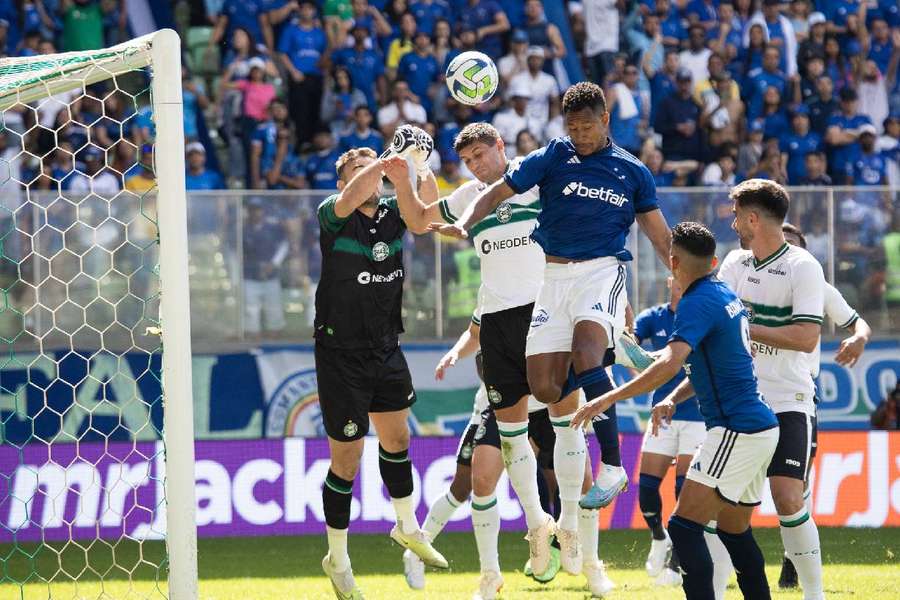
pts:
pixel 543 390
pixel 394 441
pixel 345 467
pixel 483 484
pixel 788 502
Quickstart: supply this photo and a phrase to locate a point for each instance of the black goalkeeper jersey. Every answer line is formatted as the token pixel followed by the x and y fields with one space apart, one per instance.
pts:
pixel 360 292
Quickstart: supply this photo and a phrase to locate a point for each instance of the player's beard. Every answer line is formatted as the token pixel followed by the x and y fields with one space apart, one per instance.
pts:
pixel 745 240
pixel 372 202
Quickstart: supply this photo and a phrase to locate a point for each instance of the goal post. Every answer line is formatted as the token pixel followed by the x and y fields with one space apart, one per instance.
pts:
pixel 95 321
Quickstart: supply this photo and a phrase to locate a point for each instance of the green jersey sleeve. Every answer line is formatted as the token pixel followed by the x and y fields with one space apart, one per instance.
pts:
pixel 328 220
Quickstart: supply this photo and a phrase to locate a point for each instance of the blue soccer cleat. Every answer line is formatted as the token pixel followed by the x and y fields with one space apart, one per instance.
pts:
pixel 611 482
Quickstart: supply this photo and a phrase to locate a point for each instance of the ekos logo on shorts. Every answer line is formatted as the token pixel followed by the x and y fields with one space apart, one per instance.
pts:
pixel 604 194
pixel 366 278
pixel 487 246
pixel 539 318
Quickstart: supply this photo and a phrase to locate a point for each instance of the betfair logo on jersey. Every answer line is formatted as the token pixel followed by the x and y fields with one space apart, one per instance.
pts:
pixel 487 246
pixel 365 278
pixel 603 194
pixel 504 212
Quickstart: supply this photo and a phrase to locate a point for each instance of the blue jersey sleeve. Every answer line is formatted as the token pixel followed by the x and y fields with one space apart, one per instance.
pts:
pixel 532 169
pixel 692 322
pixel 643 325
pixel 645 201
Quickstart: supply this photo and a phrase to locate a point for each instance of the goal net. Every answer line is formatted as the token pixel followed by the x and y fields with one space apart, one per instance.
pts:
pixel 96 440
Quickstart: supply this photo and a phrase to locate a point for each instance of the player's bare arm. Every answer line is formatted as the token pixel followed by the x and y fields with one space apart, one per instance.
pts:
pixel 851 348
pixel 802 337
pixel 668 364
pixel 467 344
pixel 483 205
pixel 359 189
pixel 681 393
pixel 654 226
pixel 415 212
pixel 665 410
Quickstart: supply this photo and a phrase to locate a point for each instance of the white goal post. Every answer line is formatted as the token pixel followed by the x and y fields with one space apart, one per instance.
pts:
pixel 27 84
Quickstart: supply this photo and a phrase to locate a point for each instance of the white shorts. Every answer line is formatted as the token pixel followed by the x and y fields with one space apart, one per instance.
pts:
pixel 593 290
pixel 734 464
pixel 675 439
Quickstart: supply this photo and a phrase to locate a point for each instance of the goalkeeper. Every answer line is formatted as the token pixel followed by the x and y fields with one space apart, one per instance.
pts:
pixel 361 370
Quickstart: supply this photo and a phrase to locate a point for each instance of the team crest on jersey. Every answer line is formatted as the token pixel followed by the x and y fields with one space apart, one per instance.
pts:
pixel 494 396
pixel 504 212
pixel 350 429
pixel 380 251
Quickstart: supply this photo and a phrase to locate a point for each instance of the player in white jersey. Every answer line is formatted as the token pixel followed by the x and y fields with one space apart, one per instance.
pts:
pixel 512 271
pixel 783 287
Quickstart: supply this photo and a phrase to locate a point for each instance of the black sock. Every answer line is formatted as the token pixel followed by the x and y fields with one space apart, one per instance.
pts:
pixel 596 383
pixel 396 472
pixel 337 494
pixel 748 562
pixel 696 563
pixel 651 504
pixel 679 483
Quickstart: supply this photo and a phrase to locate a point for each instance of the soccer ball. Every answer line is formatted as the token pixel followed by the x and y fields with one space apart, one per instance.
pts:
pixel 472 78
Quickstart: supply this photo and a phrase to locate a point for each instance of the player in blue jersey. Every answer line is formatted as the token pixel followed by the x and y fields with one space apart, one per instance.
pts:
pixel 677 441
pixel 591 191
pixel 726 477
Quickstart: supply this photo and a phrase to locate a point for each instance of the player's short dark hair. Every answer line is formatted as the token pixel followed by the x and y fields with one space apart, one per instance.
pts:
pixel 762 194
pixel 474 133
pixel 584 94
pixel 695 239
pixel 350 155
pixel 794 230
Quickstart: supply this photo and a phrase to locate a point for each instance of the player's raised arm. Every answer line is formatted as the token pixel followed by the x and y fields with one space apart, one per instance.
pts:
pixel 483 205
pixel 416 214
pixel 365 183
pixel 654 226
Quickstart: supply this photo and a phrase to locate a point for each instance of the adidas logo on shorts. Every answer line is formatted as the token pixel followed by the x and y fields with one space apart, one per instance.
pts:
pixel 573 161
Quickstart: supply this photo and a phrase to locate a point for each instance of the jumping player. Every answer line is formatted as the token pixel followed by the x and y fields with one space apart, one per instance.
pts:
pixel 591 191
pixel 677 441
pixel 784 288
pixel 361 369
pixel 726 477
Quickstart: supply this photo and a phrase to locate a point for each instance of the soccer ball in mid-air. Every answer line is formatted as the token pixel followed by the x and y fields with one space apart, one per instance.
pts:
pixel 472 78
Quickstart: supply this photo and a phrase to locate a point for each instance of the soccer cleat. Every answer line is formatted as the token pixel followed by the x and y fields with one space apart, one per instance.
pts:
pixel 611 482
pixel 597 580
pixel 551 572
pixel 630 354
pixel 414 570
pixel 569 550
pixel 488 586
pixel 343 583
pixel 788 578
pixel 420 545
pixel 659 553
pixel 668 578
pixel 539 544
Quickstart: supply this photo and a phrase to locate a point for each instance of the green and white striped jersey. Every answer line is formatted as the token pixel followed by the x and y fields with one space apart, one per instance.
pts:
pixel 784 288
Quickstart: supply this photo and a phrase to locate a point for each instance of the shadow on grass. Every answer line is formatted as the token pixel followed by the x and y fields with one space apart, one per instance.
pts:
pixel 279 557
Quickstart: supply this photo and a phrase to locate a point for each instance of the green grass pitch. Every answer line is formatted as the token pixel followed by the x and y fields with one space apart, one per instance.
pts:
pixel 859 564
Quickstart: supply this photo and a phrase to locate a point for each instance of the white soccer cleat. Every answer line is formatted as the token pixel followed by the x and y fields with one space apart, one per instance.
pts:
pixel 610 483
pixel 598 582
pixel 413 570
pixel 539 544
pixel 630 354
pixel 668 578
pixel 488 586
pixel 569 551
pixel 659 554
pixel 343 583
pixel 419 543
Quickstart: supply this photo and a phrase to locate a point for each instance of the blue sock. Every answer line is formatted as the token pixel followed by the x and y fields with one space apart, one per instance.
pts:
pixel 596 383
pixel 748 562
pixel 651 504
pixel 696 563
pixel 570 385
pixel 679 483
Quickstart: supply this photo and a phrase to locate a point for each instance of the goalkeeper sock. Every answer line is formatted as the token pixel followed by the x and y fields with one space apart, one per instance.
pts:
pixel 486 525
pixel 337 494
pixel 800 537
pixel 521 466
pixel 589 535
pixel 596 383
pixel 721 560
pixel 568 460
pixel 396 472
pixel 748 562
pixel 439 513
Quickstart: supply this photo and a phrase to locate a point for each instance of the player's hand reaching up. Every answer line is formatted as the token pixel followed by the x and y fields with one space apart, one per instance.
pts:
pixel 446 362
pixel 591 410
pixel 660 413
pixel 454 231
pixel 395 169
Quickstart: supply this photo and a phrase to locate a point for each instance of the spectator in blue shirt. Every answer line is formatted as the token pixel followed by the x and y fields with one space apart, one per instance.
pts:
pixel 428 12
pixel 678 120
pixel 198 177
pixel 703 12
pixel 265 248
pixel 264 141
pixel 842 134
pixel 301 47
pixel 320 173
pixel 797 144
pixel 879 46
pixel 420 70
pixel 284 171
pixel 249 14
pixel 774 119
pixel 868 167
pixel 489 21
pixel 362 135
pixel 671 25
pixel 662 81
pixel 759 80
pixel 816 170
pixel 365 65
pixel 727 34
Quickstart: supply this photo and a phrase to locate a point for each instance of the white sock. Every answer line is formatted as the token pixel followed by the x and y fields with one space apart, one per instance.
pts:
pixel 521 466
pixel 406 514
pixel 337 548
pixel 486 525
pixel 589 535
pixel 722 566
pixel 800 537
pixel 439 513
pixel 568 461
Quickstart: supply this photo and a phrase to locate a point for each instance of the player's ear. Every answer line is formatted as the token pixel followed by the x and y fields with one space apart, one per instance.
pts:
pixel 715 262
pixel 340 184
